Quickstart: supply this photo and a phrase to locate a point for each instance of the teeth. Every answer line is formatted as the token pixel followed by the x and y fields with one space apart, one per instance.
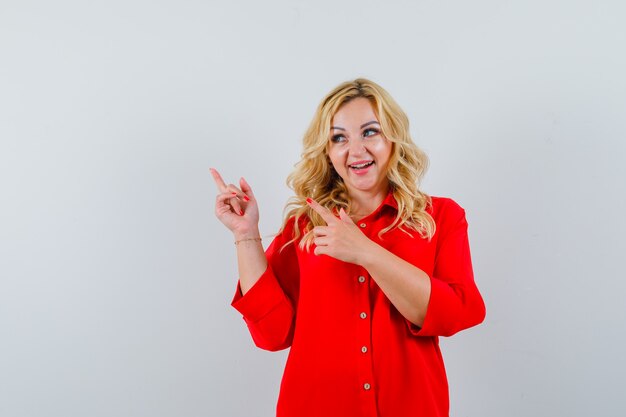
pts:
pixel 359 166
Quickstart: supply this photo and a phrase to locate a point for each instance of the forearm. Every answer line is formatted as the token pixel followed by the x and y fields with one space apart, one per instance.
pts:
pixel 251 260
pixel 406 286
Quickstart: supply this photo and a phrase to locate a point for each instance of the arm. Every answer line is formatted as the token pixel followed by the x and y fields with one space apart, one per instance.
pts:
pixel 407 287
pixel 269 305
pixel 237 209
pixel 455 302
pixel 251 260
pixel 438 305
pixel 268 282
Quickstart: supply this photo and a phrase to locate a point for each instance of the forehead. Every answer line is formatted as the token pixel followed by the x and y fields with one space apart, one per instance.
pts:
pixel 355 112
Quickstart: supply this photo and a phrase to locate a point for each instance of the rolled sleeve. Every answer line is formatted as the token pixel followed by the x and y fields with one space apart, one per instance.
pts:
pixel 269 307
pixel 455 302
pixel 267 311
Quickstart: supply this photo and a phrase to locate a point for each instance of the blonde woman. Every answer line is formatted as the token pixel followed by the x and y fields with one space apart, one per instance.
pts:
pixel 366 272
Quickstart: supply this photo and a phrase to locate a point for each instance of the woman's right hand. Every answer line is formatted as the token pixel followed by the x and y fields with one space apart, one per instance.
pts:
pixel 236 207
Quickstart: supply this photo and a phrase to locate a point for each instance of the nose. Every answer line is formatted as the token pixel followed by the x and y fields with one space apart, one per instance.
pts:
pixel 357 147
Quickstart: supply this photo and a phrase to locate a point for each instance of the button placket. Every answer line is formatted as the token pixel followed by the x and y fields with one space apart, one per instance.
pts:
pixel 362 349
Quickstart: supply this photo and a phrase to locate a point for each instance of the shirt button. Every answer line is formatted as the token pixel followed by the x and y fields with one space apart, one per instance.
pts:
pixel 362 225
pixel 361 279
pixel 364 349
pixel 363 315
pixel 367 386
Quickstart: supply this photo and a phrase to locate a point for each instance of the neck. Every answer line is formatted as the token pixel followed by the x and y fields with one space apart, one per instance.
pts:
pixel 365 202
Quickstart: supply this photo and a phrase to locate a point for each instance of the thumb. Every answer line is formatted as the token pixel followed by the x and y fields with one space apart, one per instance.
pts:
pixel 344 216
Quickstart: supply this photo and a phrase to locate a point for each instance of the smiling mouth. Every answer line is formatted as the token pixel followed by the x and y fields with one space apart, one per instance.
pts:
pixel 361 166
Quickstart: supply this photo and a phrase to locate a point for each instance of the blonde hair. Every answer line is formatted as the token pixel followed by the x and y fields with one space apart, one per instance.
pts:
pixel 315 177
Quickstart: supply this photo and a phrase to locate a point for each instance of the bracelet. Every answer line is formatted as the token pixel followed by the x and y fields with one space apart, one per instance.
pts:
pixel 251 238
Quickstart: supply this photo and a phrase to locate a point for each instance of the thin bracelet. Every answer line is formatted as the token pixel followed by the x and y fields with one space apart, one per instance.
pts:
pixel 252 238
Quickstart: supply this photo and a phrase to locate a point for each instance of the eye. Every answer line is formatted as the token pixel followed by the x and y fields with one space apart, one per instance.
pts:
pixel 338 138
pixel 370 132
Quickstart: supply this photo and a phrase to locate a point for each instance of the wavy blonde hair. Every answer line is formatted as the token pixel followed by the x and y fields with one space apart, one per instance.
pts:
pixel 314 175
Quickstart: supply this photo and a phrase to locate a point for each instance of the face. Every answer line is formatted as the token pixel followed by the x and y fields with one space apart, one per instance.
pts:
pixel 358 150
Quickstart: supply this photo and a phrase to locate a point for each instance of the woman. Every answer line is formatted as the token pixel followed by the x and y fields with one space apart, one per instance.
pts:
pixel 366 272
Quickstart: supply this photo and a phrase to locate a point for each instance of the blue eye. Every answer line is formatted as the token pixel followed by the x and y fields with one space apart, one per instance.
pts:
pixel 370 132
pixel 337 138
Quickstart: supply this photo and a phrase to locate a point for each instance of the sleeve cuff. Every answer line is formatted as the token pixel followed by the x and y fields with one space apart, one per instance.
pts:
pixel 260 300
pixel 436 312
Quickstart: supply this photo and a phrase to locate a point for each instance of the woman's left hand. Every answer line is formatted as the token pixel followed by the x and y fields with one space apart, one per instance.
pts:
pixel 341 238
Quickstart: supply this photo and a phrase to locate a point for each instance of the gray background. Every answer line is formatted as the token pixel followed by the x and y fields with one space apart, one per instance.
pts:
pixel 116 278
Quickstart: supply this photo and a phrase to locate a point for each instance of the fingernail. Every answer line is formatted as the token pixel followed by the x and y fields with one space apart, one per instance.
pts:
pixel 308 200
pixel 234 193
pixel 245 197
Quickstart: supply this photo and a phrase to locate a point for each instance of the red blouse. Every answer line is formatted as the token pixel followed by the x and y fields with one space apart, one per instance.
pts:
pixel 352 353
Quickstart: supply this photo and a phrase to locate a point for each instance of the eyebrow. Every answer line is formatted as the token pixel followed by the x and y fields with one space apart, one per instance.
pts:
pixel 362 126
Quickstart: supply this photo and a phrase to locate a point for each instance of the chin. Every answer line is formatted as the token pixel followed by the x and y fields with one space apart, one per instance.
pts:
pixel 362 186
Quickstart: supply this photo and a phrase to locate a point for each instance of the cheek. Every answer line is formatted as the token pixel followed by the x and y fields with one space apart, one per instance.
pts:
pixel 337 159
pixel 382 149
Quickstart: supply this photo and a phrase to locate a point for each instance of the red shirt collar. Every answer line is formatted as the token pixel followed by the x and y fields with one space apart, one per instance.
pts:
pixel 390 201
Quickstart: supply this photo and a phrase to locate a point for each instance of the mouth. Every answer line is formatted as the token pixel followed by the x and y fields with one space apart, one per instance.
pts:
pixel 360 165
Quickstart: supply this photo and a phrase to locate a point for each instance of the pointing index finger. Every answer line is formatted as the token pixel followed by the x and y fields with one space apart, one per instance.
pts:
pixel 322 211
pixel 218 179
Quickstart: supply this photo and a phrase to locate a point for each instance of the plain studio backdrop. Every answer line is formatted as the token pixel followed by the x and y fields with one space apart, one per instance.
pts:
pixel 116 278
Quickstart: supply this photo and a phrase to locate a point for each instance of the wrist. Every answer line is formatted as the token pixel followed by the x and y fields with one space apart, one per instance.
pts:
pixel 248 240
pixel 369 254
pixel 248 234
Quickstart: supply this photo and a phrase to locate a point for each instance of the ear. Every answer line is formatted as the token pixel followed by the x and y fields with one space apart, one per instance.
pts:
pixel 344 216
